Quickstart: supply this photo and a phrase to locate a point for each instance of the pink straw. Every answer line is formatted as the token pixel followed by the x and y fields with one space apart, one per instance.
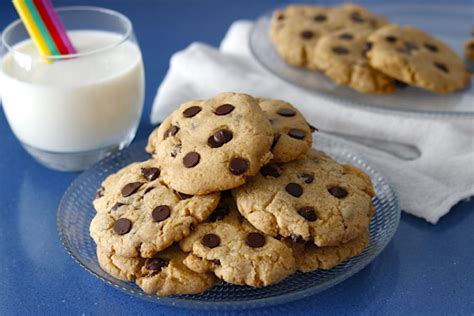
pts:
pixel 59 26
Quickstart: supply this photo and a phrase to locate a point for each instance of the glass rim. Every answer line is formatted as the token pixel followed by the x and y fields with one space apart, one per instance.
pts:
pixel 124 37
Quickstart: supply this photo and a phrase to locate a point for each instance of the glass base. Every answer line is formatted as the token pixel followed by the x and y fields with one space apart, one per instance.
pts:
pixel 74 161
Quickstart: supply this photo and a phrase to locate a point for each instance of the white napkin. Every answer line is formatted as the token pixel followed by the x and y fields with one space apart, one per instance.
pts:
pixel 428 187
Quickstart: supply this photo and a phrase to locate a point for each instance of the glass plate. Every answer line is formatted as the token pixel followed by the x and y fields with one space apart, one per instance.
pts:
pixel 76 211
pixel 450 23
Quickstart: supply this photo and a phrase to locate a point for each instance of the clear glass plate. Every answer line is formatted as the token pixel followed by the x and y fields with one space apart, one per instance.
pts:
pixel 450 23
pixel 76 211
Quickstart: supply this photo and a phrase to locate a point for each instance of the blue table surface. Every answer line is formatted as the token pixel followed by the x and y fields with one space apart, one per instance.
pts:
pixel 426 269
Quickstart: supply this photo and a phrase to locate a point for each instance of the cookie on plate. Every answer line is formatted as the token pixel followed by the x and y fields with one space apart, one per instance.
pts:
pixel 310 257
pixel 139 215
pixel 341 55
pixel 315 199
pixel 212 145
pixel 165 274
pixel 292 133
pixel 414 57
pixel 122 268
pixel 296 29
pixel 236 252
pixel 295 35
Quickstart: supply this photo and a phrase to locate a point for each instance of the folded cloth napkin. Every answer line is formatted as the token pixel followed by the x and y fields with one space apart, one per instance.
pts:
pixel 427 187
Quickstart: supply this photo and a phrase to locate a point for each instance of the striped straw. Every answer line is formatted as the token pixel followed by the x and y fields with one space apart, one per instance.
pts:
pixel 55 26
pixel 44 27
pixel 44 47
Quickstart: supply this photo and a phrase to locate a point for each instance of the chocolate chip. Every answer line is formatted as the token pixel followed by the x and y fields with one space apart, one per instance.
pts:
pixel 219 213
pixel 356 17
pixel 296 133
pixel 441 67
pixel 320 18
pixel 255 240
pixel 367 46
pixel 338 192
pixel 191 159
pixel 307 34
pixel 183 196
pixel 312 128
pixel 99 193
pixel 275 140
pixel 147 190
pixel 297 239
pixel 116 206
pixel 170 131
pixel 431 47
pixel 131 188
pixel 216 262
pixel 210 240
pixel 390 39
pixel 156 264
pixel 307 178
pixel 270 170
pixel 346 36
pixel 191 111
pixel 280 16
pixel 286 112
pixel 224 109
pixel 294 189
pixel 308 213
pixel 471 46
pixel 150 173
pixel 160 213
pixel 238 166
pixel 122 226
pixel 175 150
pixel 340 50
pixel 219 138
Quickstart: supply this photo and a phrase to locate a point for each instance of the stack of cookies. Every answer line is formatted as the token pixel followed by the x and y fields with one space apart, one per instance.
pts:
pixel 235 193
pixel 362 50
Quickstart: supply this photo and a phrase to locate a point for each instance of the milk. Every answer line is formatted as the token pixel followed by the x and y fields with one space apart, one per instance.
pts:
pixel 80 104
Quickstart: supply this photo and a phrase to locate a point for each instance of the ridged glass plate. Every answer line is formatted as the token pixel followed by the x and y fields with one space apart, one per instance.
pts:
pixel 451 23
pixel 76 211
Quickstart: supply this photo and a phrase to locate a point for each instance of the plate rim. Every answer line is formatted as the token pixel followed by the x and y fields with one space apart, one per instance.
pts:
pixel 184 302
pixel 341 100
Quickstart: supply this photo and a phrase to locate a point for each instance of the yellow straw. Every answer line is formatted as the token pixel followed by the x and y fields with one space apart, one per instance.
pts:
pixel 31 27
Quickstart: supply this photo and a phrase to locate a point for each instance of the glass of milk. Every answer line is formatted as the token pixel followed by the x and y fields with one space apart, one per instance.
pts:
pixel 76 109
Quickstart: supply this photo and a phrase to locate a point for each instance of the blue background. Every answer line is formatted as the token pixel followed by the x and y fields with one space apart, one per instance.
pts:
pixel 425 270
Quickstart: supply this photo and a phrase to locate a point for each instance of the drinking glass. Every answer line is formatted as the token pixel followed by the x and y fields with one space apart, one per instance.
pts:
pixel 69 111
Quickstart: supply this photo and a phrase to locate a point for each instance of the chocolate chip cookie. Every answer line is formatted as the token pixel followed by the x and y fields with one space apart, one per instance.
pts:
pixel 296 29
pixel 417 58
pixel 139 215
pixel 341 55
pixel 212 145
pixel 292 133
pixel 236 252
pixel 310 257
pixel 164 274
pixel 122 268
pixel 315 199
